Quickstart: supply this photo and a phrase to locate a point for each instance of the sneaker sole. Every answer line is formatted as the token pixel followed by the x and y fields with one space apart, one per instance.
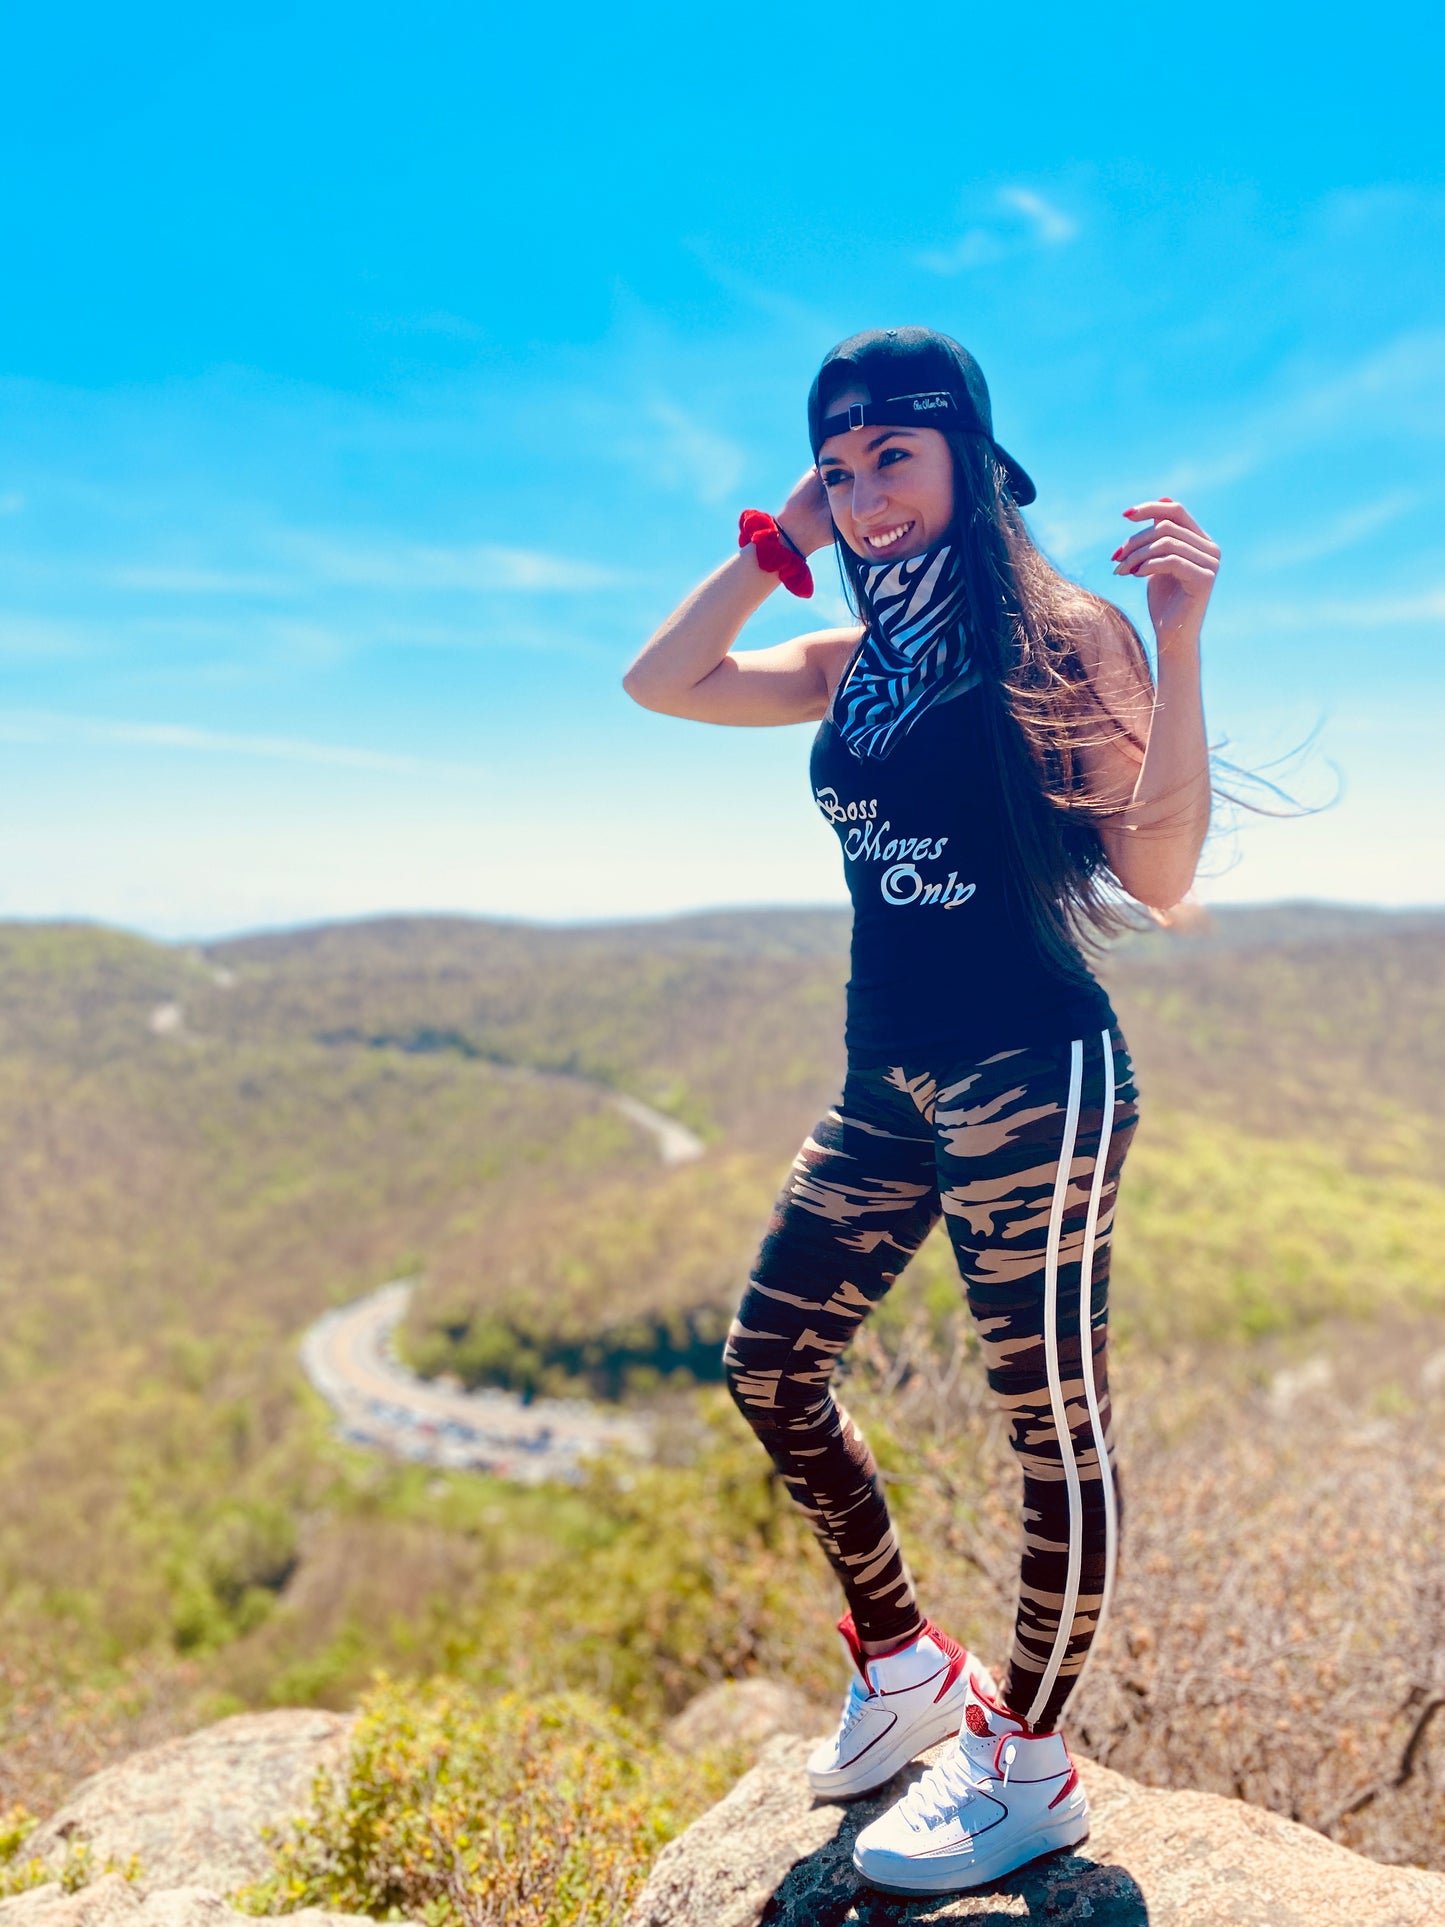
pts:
pixel 890 1759
pixel 1038 1846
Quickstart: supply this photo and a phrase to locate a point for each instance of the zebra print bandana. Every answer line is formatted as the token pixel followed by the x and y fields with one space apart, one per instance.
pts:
pixel 915 652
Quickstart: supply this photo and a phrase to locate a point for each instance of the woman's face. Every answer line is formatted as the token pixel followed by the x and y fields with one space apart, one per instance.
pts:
pixel 890 489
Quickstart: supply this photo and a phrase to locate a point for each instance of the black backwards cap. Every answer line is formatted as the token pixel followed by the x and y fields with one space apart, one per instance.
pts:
pixel 916 378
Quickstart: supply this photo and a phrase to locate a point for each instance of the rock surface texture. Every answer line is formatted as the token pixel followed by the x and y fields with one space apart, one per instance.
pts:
pixel 744 1712
pixel 113 1902
pixel 192 1809
pixel 770 1855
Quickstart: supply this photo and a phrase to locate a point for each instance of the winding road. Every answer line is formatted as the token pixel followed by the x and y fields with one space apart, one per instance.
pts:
pixel 350 1356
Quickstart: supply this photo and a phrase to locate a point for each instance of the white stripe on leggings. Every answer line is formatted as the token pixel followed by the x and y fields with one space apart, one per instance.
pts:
pixel 1086 1359
pixel 1086 1347
pixel 1056 1389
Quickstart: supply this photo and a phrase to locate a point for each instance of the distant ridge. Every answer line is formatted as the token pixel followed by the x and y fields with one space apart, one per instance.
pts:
pixel 787 930
pixel 810 931
pixel 807 930
pixel 1289 923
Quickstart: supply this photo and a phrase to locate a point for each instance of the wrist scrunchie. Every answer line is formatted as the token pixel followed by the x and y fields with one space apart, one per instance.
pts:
pixel 775 553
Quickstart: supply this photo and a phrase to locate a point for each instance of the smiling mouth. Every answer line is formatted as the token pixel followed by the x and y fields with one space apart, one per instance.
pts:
pixel 888 538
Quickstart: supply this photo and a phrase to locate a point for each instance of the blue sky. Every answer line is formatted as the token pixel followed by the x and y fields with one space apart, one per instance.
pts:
pixel 371 382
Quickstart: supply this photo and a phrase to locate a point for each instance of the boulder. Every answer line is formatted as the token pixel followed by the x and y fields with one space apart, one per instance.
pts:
pixel 192 1809
pixel 772 1853
pixel 745 1713
pixel 113 1902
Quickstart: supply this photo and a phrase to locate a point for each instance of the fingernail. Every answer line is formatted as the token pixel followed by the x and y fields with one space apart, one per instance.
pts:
pixel 1166 498
pixel 1115 556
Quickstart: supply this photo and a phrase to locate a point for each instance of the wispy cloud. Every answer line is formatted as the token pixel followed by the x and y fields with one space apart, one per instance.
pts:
pixel 325 561
pixel 1350 209
pixel 201 582
pixel 686 453
pixel 1023 220
pixel 1075 532
pixel 1427 606
pixel 43 639
pixel 794 317
pixel 978 248
pixel 1398 387
pixel 39 726
pixel 1050 224
pixel 483 567
pixel 1339 533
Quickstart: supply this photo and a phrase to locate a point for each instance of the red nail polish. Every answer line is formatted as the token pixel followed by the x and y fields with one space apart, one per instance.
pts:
pixel 1166 498
pixel 1115 556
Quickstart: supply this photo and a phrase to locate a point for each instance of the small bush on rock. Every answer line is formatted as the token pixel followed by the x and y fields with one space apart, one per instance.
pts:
pixel 461 1812
pixel 17 1824
pixel 76 1870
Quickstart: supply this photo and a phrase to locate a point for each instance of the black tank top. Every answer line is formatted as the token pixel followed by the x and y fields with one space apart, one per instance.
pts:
pixel 943 959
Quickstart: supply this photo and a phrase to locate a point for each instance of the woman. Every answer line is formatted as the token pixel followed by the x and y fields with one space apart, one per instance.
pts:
pixel 1002 772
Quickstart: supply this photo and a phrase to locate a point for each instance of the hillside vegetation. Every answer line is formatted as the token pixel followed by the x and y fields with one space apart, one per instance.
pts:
pixel 205 1147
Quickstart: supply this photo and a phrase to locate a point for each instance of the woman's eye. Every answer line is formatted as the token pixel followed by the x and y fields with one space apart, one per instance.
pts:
pixel 834 478
pixel 892 455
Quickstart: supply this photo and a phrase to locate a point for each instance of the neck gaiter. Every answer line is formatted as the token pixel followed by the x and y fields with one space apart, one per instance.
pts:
pixel 916 649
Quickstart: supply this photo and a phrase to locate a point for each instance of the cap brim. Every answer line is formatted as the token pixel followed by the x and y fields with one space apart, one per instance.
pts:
pixel 1020 483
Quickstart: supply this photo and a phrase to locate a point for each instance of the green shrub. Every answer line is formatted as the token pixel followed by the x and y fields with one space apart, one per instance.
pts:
pixel 702 1573
pixel 77 1869
pixel 456 1810
pixel 17 1824
pixel 16 1827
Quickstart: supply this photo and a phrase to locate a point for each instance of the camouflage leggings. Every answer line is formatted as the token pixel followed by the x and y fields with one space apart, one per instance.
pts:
pixel 1021 1153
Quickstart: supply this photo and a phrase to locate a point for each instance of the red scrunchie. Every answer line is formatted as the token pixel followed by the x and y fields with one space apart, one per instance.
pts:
pixel 775 552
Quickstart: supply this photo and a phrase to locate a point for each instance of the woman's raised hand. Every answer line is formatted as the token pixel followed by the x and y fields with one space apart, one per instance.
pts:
pixel 1180 561
pixel 804 517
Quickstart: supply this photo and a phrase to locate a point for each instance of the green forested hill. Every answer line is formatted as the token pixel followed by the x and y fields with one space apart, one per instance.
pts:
pixel 730 1017
pixel 1294 1052
pixel 237 1135
pixel 201 1147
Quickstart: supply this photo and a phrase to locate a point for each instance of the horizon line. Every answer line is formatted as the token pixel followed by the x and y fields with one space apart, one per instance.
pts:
pixel 249 933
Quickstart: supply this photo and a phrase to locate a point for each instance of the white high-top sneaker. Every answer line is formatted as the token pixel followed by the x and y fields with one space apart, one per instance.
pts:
pixel 999 1798
pixel 898 1705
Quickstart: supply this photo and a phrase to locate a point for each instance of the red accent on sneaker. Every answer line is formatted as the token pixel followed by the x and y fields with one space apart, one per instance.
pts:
pixel 854 1643
pixel 957 1657
pixel 955 1667
pixel 855 1648
pixel 1068 1786
pixel 977 1720
pixel 1025 1731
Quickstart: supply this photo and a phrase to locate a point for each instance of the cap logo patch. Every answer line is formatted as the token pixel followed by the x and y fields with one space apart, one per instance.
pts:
pixel 928 404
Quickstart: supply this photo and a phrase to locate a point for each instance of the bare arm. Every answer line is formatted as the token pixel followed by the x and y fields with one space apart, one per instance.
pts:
pixel 687 669
pixel 1154 839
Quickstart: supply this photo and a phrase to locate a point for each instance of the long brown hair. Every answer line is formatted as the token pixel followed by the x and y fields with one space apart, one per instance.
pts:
pixel 1037 639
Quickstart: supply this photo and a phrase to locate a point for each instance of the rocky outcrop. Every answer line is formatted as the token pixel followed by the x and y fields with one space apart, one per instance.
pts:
pixel 745 1713
pixel 191 1811
pixel 114 1902
pixel 770 1855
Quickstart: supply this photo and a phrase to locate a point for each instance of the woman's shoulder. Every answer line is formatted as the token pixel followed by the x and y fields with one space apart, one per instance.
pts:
pixel 833 650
